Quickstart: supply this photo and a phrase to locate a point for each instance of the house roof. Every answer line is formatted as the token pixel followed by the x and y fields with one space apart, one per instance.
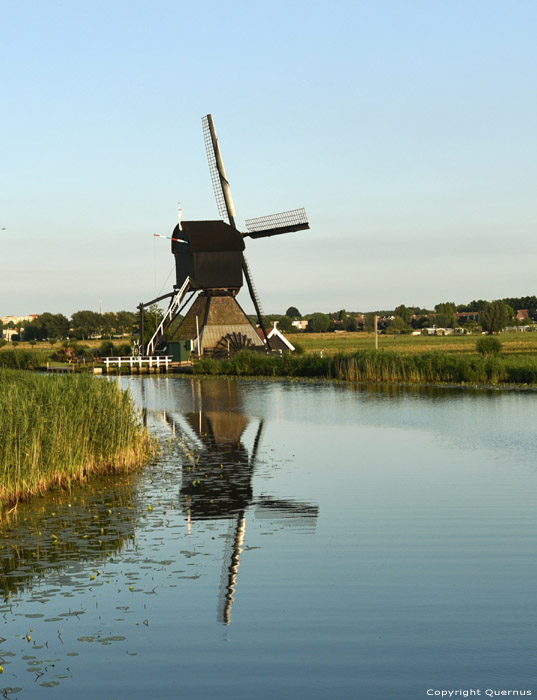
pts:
pixel 522 314
pixel 275 335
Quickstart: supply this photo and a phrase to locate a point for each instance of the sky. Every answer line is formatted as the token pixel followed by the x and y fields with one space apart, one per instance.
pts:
pixel 406 128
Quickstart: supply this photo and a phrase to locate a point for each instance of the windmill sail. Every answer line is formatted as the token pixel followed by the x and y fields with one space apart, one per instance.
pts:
pixel 222 191
pixel 255 299
pixel 274 224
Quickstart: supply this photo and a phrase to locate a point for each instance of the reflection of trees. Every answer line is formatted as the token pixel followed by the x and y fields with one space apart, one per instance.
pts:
pixel 51 535
pixel 218 469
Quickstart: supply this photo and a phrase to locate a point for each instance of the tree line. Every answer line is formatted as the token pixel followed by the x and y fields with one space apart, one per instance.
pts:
pixel 490 316
pixel 81 326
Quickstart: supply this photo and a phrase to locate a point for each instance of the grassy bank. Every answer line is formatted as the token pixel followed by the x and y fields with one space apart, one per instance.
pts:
pixel 382 366
pixel 58 429
pixel 23 358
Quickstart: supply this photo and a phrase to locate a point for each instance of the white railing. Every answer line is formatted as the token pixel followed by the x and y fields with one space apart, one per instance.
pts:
pixel 156 361
pixel 168 316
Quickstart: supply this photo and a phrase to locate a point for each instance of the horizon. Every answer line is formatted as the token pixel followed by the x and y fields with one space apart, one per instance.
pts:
pixel 276 313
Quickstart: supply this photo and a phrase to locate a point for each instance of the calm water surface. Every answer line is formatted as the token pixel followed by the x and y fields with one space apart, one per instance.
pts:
pixel 292 540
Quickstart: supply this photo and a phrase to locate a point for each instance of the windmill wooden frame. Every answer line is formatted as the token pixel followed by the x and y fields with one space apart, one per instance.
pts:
pixel 209 259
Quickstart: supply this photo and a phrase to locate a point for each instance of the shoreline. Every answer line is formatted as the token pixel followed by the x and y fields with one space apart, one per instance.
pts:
pixel 66 429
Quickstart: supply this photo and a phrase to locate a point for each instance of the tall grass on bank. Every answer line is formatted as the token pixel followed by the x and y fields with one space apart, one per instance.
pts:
pixel 58 429
pixel 381 366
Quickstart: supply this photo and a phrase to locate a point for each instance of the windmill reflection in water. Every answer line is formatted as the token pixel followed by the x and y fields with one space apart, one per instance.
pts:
pixel 218 471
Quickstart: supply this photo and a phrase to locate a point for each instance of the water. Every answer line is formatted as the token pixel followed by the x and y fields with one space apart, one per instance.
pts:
pixel 292 540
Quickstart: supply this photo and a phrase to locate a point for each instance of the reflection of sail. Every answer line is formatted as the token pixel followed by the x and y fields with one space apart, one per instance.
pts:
pixel 230 568
pixel 217 475
pixel 293 513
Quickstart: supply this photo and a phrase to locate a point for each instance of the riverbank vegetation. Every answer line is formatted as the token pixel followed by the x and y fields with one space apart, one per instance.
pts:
pixel 347 355
pixel 26 356
pixel 381 366
pixel 55 430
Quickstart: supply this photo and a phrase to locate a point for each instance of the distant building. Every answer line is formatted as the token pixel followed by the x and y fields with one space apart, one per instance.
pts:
pixel 277 339
pixel 433 330
pixel 18 319
pixel 301 324
pixel 8 333
pixel 523 315
pixel 465 316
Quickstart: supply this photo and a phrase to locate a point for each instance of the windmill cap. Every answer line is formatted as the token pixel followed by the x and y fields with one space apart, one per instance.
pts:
pixel 209 236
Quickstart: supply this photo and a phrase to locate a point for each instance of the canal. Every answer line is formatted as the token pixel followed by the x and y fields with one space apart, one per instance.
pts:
pixel 291 540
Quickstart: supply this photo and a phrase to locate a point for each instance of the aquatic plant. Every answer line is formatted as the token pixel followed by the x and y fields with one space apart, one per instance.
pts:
pixel 23 359
pixel 381 366
pixel 57 429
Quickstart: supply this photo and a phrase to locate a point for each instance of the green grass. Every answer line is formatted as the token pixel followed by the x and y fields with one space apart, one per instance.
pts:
pixel 58 429
pixel 332 343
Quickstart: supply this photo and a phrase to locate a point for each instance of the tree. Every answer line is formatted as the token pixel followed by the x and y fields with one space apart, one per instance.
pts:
pixel 369 322
pixel 318 323
pixel 85 324
pixel 495 316
pixel 293 313
pixel 399 325
pixel 152 318
pixel 126 322
pixel 34 331
pixel 46 325
pixel 284 324
pixel 518 303
pixel 446 315
pixel 404 313
pixel 59 326
pixel 476 305
pixel 421 322
pixel 350 324
pixel 109 323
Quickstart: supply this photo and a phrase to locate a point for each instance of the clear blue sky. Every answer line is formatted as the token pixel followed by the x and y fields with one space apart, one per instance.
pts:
pixel 406 128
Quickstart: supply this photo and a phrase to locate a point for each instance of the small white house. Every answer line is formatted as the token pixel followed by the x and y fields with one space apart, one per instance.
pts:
pixel 278 341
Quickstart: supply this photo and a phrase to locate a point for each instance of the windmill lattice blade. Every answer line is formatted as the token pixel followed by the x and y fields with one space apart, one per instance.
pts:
pixel 255 298
pixel 274 224
pixel 222 192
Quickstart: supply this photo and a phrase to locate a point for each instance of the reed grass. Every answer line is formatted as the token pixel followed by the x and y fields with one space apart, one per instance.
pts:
pixel 23 359
pixel 382 366
pixel 58 429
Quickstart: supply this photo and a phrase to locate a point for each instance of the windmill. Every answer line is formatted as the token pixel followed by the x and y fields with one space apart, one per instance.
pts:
pixel 210 261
